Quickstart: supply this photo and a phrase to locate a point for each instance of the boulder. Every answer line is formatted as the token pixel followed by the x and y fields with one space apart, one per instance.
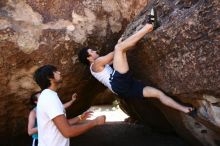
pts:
pixel 182 58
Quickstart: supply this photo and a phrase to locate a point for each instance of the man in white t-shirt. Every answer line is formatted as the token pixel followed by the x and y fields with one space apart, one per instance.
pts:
pixel 54 129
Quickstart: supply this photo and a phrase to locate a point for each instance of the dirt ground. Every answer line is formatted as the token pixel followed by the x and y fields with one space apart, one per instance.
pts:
pixel 126 134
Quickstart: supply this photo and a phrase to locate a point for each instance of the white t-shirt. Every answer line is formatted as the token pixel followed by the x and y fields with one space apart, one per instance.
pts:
pixel 103 76
pixel 49 106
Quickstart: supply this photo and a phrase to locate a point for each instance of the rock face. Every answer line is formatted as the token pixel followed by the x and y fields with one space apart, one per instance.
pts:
pixel 182 58
pixel 34 33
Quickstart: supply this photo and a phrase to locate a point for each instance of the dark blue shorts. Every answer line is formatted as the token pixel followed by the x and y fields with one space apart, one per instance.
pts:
pixel 125 86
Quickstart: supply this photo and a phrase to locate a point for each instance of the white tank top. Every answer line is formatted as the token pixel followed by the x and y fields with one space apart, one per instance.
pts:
pixel 103 76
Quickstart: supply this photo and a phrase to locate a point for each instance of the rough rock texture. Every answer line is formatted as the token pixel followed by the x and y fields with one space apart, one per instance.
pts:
pixel 182 58
pixel 34 33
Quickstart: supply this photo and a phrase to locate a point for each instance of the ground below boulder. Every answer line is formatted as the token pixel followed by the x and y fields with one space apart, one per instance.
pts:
pixel 121 133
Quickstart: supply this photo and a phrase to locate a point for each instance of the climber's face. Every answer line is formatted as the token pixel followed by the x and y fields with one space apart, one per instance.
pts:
pixel 92 54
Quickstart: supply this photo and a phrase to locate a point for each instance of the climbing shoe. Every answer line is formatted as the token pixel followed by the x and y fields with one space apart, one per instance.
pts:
pixel 152 19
